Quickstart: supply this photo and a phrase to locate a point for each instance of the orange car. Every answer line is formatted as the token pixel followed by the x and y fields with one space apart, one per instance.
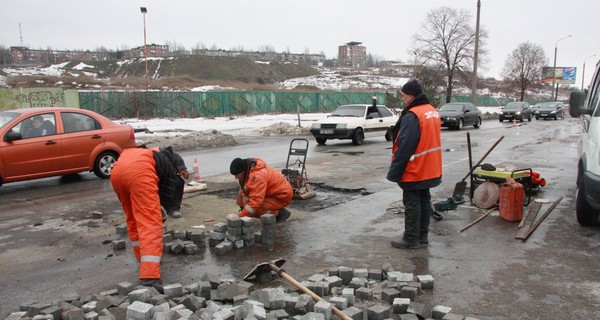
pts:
pixel 44 142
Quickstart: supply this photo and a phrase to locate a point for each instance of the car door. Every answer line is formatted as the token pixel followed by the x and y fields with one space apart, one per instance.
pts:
pixel 81 137
pixel 34 155
pixel 470 115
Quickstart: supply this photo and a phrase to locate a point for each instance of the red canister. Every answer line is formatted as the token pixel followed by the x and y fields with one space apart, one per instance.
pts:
pixel 511 201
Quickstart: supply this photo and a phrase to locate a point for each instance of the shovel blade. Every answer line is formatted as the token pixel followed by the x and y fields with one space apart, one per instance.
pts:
pixel 459 189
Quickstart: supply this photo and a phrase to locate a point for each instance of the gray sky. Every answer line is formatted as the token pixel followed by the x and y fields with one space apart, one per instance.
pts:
pixel 384 27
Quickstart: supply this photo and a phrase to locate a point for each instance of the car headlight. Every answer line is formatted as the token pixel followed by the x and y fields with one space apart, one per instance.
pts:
pixel 518 112
pixel 501 112
pixel 552 112
pixel 341 126
pixel 452 118
pixel 315 126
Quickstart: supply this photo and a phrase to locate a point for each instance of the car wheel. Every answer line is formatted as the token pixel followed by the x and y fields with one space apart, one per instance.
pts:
pixel 500 119
pixel 104 164
pixel 477 123
pixel 586 215
pixel 460 124
pixel 555 117
pixel 321 140
pixel 529 118
pixel 389 134
pixel 537 117
pixel 521 118
pixel 358 137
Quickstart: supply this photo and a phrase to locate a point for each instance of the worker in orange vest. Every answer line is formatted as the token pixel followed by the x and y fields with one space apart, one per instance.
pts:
pixel 143 179
pixel 262 189
pixel 416 163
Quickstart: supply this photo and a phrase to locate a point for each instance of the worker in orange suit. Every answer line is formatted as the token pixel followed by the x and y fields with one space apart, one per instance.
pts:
pixel 262 189
pixel 144 180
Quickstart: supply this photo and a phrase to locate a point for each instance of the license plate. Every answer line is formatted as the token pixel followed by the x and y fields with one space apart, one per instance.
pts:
pixel 327 131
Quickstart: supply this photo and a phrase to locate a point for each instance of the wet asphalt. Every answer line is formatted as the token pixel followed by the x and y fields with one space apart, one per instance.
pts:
pixel 51 247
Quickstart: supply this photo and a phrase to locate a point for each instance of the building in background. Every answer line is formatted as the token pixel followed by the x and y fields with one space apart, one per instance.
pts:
pixel 352 55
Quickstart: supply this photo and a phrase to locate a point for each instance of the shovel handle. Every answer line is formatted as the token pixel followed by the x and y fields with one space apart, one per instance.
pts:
pixel 483 158
pixel 281 273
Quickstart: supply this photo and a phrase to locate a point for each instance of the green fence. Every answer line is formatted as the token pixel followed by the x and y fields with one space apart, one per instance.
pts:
pixel 212 104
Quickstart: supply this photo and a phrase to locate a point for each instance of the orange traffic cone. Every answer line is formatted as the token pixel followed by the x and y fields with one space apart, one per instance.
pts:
pixel 196 171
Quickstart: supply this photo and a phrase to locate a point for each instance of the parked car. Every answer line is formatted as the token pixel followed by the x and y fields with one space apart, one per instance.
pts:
pixel 356 122
pixel 587 203
pixel 459 114
pixel 515 111
pixel 550 110
pixel 536 107
pixel 68 141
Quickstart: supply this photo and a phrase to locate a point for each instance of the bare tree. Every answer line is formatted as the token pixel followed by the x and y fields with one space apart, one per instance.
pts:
pixel 5 58
pixel 266 48
pixel 523 67
pixel 447 40
pixel 239 47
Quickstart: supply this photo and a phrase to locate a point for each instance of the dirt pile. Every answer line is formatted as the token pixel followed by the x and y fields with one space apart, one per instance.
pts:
pixel 282 128
pixel 191 140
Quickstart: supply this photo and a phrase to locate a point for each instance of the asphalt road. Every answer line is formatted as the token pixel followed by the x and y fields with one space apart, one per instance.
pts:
pixel 50 246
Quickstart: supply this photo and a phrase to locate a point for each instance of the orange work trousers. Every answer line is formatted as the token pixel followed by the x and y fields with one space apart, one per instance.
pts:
pixel 269 205
pixel 135 181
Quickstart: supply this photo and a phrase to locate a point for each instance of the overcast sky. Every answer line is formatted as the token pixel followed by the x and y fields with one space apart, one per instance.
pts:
pixel 384 27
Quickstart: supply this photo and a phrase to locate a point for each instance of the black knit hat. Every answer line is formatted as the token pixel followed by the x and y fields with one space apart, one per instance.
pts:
pixel 238 165
pixel 412 88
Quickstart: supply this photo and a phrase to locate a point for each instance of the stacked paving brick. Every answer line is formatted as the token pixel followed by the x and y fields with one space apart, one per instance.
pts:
pixel 174 241
pixel 237 233
pixel 361 294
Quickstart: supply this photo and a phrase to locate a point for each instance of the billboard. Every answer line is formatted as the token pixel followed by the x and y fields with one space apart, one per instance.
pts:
pixel 561 75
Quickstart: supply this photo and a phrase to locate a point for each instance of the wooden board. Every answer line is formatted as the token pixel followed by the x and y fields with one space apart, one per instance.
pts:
pixel 539 221
pixel 533 212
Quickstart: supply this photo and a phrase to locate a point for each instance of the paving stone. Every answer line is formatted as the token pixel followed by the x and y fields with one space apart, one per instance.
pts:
pixel 409 316
pixel 118 244
pixel 388 295
pixel 333 271
pixel 16 315
pixel 233 221
pixel 73 314
pixel 235 231
pixel 438 312
pixel 196 235
pixel 239 299
pixel 223 314
pixel 43 317
pixel 267 219
pixel 212 279
pixel 228 245
pixel 313 316
pixel 220 227
pixel 257 237
pixel 123 288
pixel 364 293
pixel 400 305
pixel 228 290
pixel 411 293
pixel 419 309
pixel 354 313
pixel 248 236
pixel 340 302
pixel 54 311
pixel 305 304
pixel 290 304
pixel 361 273
pixel 357 283
pixel 220 236
pixel 121 229
pixel 375 274
pixel 141 295
pixel 238 244
pixel 177 247
pixel 92 315
pixel 173 290
pixel 348 293
pixel 190 248
pixel 333 281
pixel 324 308
pixel 277 314
pixel 400 276
pixel 250 242
pixel 221 249
pixel 247 221
pixel 346 274
pixel 140 311
pixel 426 281
pixel 378 312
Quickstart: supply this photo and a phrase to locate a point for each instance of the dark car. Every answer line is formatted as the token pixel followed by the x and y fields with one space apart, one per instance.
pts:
pixel 459 114
pixel 44 142
pixel 516 111
pixel 550 110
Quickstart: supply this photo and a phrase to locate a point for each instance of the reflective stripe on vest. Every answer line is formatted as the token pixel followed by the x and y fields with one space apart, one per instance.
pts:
pixel 424 153
pixel 150 259
pixel 249 208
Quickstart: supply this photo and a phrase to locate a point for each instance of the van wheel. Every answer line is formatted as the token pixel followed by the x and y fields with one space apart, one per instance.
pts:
pixel 104 163
pixel 586 215
pixel 321 140
pixel 358 137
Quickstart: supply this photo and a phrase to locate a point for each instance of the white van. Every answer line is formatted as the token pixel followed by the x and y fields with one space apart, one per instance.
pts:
pixel 588 172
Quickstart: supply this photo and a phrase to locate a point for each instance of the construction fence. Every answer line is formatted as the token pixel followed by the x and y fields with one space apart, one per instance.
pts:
pixel 152 104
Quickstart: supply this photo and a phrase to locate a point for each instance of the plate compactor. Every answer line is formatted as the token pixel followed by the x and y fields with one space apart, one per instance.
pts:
pixel 295 170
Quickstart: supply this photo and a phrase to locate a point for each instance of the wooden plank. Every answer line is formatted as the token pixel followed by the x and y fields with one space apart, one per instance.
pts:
pixel 478 219
pixel 535 208
pixel 539 221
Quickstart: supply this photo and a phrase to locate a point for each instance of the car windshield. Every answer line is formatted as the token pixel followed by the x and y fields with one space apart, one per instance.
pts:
pixel 6 117
pixel 549 106
pixel 349 111
pixel 514 106
pixel 452 107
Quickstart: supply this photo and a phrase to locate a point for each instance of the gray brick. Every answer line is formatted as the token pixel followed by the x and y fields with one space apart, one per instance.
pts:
pixel 409 316
pixel 348 293
pixel 196 235
pixel 378 312
pixel 419 309
pixel 221 249
pixel 360 273
pixel 177 247
pixel 216 235
pixel 220 227
pixel 411 293
pixel 339 302
pixel 388 295
pixel 190 248
pixel 439 312
pixel 290 303
pixel 247 221
pixel 333 271
pixel 92 315
pixel 228 245
pixel 73 314
pixel 267 219
pixel 400 276
pixel 364 293
pixel 233 221
pixel 354 313
pixel 305 304
pixel 193 302
pixel 277 314
pixel 118 244
pixel 346 274
pixel 223 314
pixel 43 317
pixel 212 279
pixel 334 281
pixel 325 308
pixel 54 311
pixel 357 283
pixel 453 316
pixel 316 277
pixel 16 315
pixel 313 316
pixel 173 290
pixel 121 229
pixel 235 231
pixel 375 274
pixel 179 234
pixel 250 242
pixel 400 305
pixel 426 281
pixel 140 311
pixel 238 244
pixel 141 295
pixel 239 299
pixel 228 290
pixel 257 237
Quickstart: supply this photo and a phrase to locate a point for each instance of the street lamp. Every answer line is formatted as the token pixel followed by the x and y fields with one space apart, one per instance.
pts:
pixel 474 83
pixel 583 72
pixel 144 11
pixel 554 68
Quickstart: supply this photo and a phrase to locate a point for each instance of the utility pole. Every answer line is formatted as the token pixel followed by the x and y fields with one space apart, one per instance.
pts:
pixel 474 84
pixel 555 95
pixel 583 73
pixel 144 11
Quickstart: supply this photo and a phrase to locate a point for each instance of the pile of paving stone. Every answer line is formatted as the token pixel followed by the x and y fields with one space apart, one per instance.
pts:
pixel 361 294
pixel 174 241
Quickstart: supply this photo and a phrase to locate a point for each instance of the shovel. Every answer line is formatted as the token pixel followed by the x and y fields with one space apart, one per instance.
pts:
pixel 275 265
pixel 461 186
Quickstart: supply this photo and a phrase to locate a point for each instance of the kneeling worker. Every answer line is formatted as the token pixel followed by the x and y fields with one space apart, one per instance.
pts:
pixel 262 189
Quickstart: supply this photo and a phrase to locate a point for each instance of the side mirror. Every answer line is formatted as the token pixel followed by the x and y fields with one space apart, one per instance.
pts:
pixel 12 136
pixel 576 104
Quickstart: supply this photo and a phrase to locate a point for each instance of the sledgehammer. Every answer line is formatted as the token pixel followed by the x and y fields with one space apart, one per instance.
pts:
pixel 275 265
